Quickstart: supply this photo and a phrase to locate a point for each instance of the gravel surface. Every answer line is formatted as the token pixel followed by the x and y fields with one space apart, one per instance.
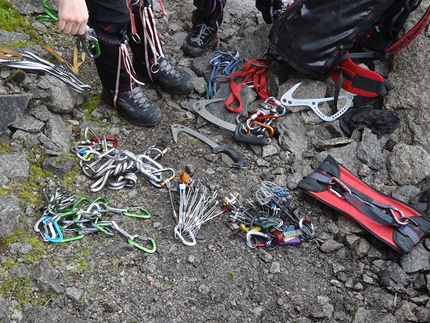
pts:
pixel 102 278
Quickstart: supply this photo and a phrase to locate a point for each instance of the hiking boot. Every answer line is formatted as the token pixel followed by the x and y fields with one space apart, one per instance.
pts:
pixel 198 40
pixel 135 107
pixel 171 78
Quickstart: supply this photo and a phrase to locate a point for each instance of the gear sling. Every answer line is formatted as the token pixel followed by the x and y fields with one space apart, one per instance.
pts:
pixel 390 220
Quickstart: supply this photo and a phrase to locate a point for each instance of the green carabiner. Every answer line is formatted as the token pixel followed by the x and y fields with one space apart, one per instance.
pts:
pixel 51 13
pixel 144 215
pixel 135 244
pixel 102 226
pixel 78 237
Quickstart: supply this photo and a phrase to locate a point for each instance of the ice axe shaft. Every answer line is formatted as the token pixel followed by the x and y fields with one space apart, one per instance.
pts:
pixel 239 161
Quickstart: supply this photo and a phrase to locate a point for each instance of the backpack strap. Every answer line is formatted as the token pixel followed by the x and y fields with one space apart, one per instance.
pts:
pixel 407 38
pixel 254 72
pixel 359 80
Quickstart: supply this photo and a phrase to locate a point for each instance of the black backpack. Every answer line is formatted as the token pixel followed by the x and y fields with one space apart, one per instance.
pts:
pixel 331 37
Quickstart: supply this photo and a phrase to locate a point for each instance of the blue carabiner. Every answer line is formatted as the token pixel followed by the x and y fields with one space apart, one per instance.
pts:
pixel 56 235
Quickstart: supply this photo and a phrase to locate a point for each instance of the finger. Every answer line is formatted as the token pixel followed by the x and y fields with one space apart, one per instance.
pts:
pixel 81 29
pixel 61 24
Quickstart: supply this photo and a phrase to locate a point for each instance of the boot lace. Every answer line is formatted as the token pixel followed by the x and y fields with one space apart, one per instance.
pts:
pixel 202 34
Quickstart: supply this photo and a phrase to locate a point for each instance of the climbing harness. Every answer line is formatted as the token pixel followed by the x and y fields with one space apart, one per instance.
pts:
pixel 390 220
pixel 228 62
pixel 151 41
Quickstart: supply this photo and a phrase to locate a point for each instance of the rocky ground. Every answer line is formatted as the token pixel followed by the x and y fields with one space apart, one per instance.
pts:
pixel 343 275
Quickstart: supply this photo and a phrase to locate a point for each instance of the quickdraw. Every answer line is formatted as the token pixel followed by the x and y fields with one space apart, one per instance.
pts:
pixel 63 221
pixel 102 161
pixel 26 60
pixel 228 61
pixel 195 209
pixel 265 220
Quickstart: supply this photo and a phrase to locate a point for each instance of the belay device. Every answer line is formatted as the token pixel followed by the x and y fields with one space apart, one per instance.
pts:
pixel 393 222
pixel 331 37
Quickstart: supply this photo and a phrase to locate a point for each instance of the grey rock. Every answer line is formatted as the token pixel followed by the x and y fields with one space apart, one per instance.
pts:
pixel 74 293
pixel 4 312
pixel 26 139
pixel 46 278
pixel 423 315
pixel 418 259
pixel 58 132
pixel 405 313
pixel 27 7
pixel 370 151
pixel 7 36
pixel 404 193
pixel 28 123
pixel 62 98
pixel 367 316
pixel 13 107
pixel 293 141
pixel 58 165
pixel 330 246
pixel 15 166
pixel 9 215
pixel 41 113
pixel 408 165
pixel 361 248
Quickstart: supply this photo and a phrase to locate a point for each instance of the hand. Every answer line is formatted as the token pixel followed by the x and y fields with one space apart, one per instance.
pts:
pixel 72 16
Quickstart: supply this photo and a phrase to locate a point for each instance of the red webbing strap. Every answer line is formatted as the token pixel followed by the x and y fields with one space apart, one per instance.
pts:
pixel 407 38
pixel 253 72
pixel 359 80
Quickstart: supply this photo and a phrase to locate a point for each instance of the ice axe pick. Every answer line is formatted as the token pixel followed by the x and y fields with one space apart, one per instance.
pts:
pixel 238 160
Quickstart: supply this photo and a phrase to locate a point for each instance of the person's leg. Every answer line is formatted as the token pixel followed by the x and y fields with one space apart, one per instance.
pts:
pixel 148 58
pixel 206 19
pixel 110 19
pixel 270 9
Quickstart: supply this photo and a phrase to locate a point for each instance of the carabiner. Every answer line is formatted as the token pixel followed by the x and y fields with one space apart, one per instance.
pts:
pixel 144 215
pixel 253 235
pixel 269 129
pixel 138 246
pixel 89 43
pixel 55 234
pixel 307 228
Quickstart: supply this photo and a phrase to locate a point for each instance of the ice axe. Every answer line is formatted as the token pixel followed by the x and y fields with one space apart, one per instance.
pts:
pixel 238 160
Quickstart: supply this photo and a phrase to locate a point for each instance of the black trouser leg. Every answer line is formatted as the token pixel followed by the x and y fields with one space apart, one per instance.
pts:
pixel 267 8
pixel 110 19
pixel 209 12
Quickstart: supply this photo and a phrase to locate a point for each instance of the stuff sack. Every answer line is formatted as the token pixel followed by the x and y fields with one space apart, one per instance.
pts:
pixel 392 221
pixel 331 37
